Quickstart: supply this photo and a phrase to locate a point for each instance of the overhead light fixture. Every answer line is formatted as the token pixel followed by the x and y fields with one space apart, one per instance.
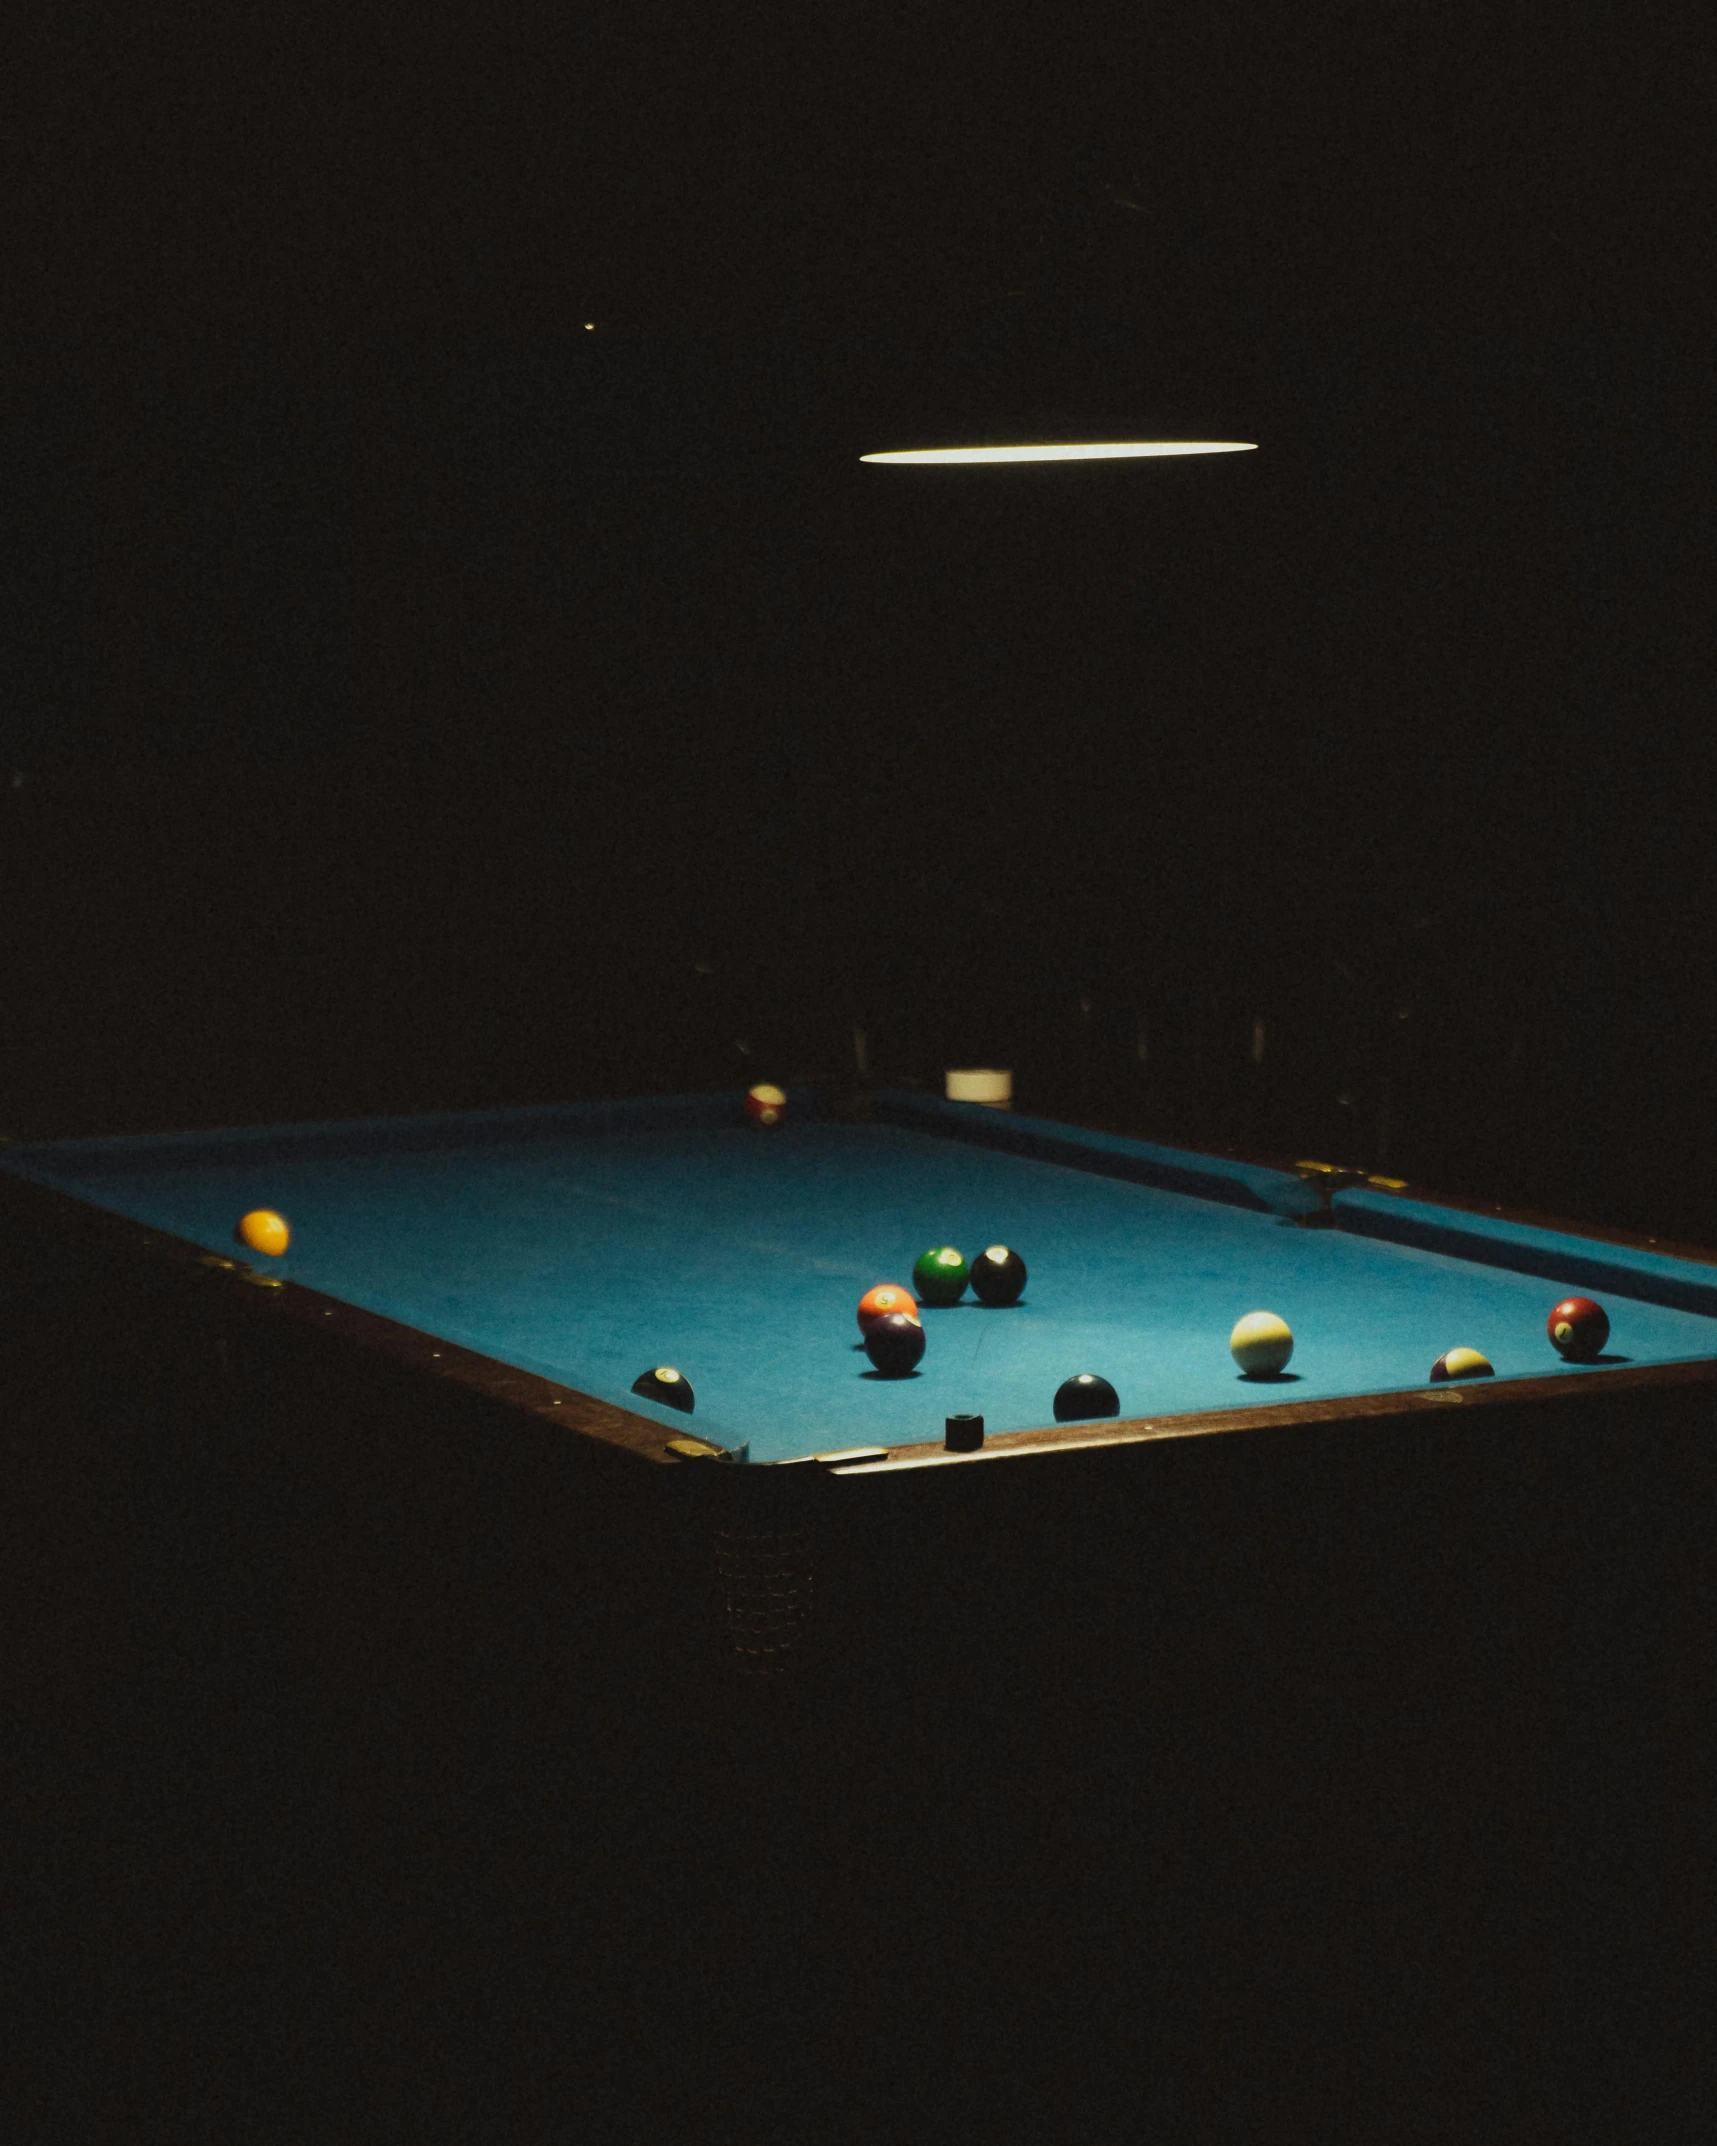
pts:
pixel 1071 451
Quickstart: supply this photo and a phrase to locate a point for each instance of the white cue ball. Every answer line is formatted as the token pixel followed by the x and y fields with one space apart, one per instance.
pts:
pixel 1261 1343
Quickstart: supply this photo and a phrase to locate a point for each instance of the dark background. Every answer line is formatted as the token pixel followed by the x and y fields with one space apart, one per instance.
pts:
pixel 416 697
pixel 412 697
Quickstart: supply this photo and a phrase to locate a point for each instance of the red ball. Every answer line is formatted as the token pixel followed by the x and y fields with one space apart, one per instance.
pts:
pixel 766 1104
pixel 1578 1329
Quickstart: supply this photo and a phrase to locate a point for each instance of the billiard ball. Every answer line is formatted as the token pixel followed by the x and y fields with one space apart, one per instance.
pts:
pixel 998 1276
pixel 765 1104
pixel 1085 1395
pixel 1579 1329
pixel 1261 1344
pixel 894 1344
pixel 877 1303
pixel 940 1275
pixel 1461 1364
pixel 666 1385
pixel 263 1231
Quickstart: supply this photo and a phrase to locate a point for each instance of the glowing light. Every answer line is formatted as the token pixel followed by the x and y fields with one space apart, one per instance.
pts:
pixel 1073 451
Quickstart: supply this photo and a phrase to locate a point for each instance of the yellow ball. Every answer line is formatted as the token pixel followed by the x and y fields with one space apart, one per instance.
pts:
pixel 264 1231
pixel 1261 1343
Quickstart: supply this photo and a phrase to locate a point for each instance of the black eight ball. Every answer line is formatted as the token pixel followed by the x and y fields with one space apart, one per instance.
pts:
pixel 666 1385
pixel 1083 1396
pixel 998 1276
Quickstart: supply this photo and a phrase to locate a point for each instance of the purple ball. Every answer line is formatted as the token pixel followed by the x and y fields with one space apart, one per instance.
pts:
pixel 894 1344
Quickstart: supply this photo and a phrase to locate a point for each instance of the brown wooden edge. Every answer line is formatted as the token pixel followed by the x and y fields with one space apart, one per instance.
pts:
pixel 254 1294
pixel 1568 1386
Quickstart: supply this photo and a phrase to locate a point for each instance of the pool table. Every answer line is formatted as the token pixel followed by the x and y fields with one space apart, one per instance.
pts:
pixel 490 1284
pixel 1344 1742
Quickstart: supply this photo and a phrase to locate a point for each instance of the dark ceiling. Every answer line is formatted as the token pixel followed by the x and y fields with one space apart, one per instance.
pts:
pixel 457 420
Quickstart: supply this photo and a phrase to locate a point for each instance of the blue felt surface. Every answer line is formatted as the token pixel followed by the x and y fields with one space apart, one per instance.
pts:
pixel 587 1248
pixel 1210 1177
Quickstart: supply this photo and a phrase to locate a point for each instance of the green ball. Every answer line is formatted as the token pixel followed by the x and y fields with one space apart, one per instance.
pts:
pixel 939 1276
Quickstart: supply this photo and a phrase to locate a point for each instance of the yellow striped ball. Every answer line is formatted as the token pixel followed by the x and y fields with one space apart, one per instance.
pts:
pixel 1261 1343
pixel 1461 1364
